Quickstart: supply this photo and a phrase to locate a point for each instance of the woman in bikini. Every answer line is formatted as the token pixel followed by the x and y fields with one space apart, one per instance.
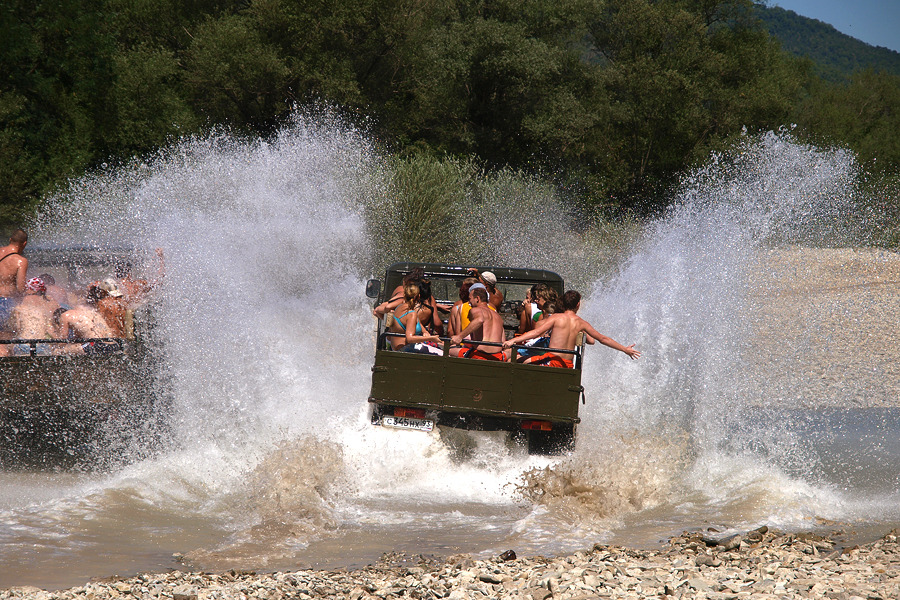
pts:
pixel 412 318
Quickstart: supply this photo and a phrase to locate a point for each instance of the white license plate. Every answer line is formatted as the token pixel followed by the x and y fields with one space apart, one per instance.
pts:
pixel 407 423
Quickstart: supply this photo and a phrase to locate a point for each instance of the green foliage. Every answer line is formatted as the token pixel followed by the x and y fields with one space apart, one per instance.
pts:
pixel 613 98
pixel 678 77
pixel 234 76
pixel 416 214
pixel 145 100
pixel 864 114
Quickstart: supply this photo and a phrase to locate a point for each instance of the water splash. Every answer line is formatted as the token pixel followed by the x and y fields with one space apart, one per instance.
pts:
pixel 268 339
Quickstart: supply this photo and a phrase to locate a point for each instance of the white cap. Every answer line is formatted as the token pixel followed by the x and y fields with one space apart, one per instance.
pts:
pixel 112 288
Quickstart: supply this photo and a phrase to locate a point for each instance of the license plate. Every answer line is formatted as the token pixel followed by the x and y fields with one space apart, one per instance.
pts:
pixel 407 423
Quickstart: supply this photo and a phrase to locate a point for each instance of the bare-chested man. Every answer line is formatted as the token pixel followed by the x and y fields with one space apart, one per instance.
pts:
pixel 564 328
pixel 13 272
pixel 484 325
pixel 32 318
pixel 84 322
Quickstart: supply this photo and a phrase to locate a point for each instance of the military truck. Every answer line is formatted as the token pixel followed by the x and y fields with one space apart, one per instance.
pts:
pixel 535 404
pixel 60 410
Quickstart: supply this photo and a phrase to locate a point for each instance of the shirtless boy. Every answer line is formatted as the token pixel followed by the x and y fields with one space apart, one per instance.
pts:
pixel 13 269
pixel 484 325
pixel 564 329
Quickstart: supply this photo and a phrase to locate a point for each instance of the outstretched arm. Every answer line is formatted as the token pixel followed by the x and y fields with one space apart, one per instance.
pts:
pixel 541 327
pixel 608 341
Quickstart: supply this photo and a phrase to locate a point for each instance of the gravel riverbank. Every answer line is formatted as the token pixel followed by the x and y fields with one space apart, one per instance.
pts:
pixel 758 564
pixel 826 327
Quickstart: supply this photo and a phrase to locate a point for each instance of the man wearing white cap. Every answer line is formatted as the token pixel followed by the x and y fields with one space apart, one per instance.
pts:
pixel 490 282
pixel 113 308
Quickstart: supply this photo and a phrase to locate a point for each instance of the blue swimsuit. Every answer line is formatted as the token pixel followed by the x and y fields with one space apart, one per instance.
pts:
pixel 418 325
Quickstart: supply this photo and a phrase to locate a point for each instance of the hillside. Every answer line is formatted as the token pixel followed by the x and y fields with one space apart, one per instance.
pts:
pixel 836 55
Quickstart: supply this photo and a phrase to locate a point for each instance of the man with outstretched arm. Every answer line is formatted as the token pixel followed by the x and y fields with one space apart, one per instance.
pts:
pixel 484 325
pixel 564 329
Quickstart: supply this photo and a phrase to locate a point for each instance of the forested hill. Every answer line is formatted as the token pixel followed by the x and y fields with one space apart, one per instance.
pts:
pixel 836 55
pixel 609 100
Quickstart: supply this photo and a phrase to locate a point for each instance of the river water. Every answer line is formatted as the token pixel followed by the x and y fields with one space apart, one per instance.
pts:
pixel 271 463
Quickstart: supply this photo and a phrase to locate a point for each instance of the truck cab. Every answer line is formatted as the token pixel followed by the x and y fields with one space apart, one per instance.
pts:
pixel 535 404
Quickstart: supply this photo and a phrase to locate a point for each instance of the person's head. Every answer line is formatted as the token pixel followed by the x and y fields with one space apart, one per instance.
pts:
pixel 47 278
pixel 411 293
pixel 541 294
pixel 489 279
pixel 571 300
pixel 424 290
pixel 529 294
pixel 477 286
pixel 464 288
pixel 94 294
pixel 35 285
pixel 416 274
pixel 111 287
pixel 19 238
pixel 552 303
pixel 478 296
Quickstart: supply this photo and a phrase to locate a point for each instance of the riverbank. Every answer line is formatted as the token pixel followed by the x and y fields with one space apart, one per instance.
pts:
pixel 758 564
pixel 824 333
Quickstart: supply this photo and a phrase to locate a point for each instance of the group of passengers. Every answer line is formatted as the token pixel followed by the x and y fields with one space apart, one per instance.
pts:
pixel 546 321
pixel 95 318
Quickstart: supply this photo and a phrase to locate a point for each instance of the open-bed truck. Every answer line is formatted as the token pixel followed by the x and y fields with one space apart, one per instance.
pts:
pixel 537 404
pixel 78 410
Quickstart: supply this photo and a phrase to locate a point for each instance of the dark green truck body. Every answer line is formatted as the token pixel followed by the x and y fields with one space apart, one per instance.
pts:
pixel 82 411
pixel 538 404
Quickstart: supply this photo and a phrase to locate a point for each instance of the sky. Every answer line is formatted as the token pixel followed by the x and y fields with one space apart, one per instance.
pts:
pixel 876 22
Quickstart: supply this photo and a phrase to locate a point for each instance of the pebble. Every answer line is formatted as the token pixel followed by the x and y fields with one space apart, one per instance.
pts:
pixel 760 566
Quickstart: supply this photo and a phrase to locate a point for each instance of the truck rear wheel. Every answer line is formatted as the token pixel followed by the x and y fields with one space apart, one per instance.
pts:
pixel 559 440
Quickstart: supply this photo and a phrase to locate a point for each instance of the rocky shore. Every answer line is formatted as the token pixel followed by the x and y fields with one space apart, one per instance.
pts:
pixel 756 564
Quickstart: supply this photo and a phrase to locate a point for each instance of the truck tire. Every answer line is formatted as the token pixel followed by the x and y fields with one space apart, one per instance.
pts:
pixel 560 440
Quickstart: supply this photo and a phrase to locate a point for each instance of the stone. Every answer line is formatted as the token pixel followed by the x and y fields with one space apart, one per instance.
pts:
pixel 707 561
pixel 488 577
pixel 730 543
pixel 701 585
pixel 184 592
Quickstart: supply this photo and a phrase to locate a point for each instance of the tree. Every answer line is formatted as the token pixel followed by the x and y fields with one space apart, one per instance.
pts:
pixel 677 77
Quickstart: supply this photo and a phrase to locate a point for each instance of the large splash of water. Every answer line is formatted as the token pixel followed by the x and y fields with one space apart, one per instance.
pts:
pixel 269 341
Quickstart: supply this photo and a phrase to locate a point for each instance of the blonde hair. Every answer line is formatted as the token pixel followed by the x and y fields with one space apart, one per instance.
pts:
pixel 411 293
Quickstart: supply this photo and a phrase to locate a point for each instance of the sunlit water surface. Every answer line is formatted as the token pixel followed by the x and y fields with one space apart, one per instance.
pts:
pixel 272 464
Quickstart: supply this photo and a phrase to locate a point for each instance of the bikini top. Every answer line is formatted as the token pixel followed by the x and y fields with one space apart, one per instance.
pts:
pixel 418 325
pixel 10 254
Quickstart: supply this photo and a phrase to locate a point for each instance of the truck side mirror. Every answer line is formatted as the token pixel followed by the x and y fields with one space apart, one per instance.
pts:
pixel 373 288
